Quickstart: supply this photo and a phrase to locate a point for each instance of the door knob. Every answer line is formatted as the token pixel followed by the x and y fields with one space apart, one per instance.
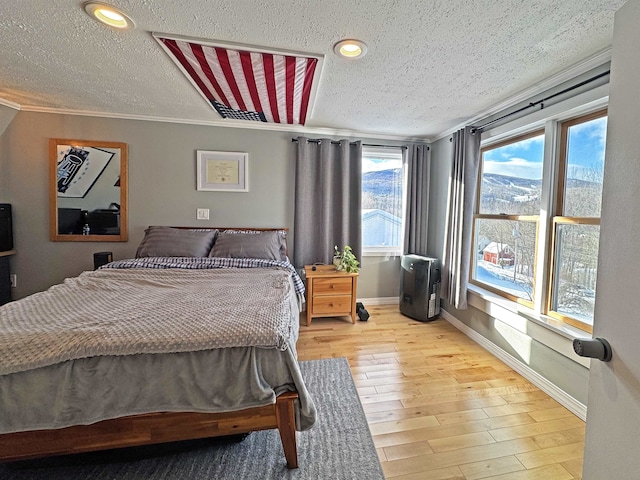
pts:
pixel 593 348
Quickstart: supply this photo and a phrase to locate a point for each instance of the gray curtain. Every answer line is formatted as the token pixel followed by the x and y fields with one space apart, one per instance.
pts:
pixel 328 200
pixel 417 158
pixel 462 192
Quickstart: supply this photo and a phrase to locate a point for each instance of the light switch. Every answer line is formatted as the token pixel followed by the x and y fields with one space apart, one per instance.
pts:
pixel 202 214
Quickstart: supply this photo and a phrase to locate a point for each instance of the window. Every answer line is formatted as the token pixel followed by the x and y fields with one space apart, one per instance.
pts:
pixel 512 201
pixel 382 200
pixel 506 219
pixel 576 223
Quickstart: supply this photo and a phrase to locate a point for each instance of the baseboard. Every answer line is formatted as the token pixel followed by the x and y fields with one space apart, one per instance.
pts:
pixel 380 301
pixel 559 395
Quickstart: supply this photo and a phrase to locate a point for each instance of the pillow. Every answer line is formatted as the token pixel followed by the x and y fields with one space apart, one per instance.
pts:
pixel 175 242
pixel 271 244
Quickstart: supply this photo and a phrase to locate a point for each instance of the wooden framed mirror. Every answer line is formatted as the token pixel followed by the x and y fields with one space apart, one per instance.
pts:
pixel 87 191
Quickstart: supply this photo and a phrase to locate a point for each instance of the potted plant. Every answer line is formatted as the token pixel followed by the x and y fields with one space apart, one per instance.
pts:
pixel 345 260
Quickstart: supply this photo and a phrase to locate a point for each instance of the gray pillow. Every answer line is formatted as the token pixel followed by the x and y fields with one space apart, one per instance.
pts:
pixel 271 244
pixel 176 242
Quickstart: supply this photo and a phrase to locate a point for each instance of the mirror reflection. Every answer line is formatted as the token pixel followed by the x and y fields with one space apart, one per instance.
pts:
pixel 88 190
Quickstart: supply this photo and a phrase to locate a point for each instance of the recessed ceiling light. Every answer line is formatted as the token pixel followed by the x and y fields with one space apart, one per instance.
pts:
pixel 350 48
pixel 109 15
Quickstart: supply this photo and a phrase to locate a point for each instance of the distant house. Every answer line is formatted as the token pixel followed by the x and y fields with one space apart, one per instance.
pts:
pixel 498 253
pixel 380 228
pixel 482 243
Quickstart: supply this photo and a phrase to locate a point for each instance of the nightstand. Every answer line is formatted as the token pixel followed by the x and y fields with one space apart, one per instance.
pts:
pixel 330 293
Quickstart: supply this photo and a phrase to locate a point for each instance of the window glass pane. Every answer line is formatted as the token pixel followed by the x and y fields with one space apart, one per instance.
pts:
pixel 505 256
pixel 512 178
pixel 585 167
pixel 576 264
pixel 382 199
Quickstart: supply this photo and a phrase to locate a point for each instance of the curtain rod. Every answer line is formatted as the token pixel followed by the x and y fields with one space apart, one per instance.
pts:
pixel 541 102
pixel 334 142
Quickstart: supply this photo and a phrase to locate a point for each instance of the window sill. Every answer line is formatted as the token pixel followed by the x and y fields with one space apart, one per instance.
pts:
pixel 546 330
pixel 371 252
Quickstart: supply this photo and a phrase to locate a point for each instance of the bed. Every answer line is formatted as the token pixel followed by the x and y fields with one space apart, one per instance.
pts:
pixel 193 338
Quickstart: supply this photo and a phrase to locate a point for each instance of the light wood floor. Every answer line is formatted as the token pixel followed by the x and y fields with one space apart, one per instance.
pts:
pixel 440 407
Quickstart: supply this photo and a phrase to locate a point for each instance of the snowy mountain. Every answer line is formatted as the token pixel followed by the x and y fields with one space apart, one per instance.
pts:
pixel 509 195
pixel 382 182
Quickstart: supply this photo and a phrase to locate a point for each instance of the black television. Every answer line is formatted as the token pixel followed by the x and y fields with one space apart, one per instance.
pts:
pixel 69 221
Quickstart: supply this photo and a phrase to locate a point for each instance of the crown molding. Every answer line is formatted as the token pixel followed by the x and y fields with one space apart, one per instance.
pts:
pixel 590 63
pixel 226 123
pixel 10 104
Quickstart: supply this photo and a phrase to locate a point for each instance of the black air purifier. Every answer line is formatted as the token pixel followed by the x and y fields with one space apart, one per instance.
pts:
pixel 6 228
pixel 420 287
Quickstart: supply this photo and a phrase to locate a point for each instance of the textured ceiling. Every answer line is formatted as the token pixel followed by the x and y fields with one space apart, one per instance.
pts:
pixel 431 64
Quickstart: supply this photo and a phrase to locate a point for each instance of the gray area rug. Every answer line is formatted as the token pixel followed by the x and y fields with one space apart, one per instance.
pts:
pixel 338 447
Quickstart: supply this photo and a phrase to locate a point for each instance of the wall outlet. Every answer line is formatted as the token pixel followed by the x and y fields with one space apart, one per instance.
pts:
pixel 202 214
pixel 14 280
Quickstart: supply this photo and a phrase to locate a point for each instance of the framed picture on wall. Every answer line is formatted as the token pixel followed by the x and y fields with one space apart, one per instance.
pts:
pixel 222 171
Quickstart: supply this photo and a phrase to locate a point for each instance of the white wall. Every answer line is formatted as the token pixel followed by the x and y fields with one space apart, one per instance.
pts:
pixel 613 420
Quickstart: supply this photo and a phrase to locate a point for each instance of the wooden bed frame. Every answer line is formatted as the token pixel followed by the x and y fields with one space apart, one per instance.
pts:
pixel 155 428
pixel 160 427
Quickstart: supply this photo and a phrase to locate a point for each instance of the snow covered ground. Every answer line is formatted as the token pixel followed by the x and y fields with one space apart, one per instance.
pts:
pixel 502 278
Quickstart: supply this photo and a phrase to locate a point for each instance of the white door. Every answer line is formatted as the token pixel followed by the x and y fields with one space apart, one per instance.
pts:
pixel 613 417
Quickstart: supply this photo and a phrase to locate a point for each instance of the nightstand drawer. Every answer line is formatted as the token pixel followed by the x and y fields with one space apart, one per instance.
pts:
pixel 331 304
pixel 332 286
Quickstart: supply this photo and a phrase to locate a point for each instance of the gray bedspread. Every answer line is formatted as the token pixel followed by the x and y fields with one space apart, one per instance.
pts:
pixel 85 391
pixel 125 312
pixel 113 343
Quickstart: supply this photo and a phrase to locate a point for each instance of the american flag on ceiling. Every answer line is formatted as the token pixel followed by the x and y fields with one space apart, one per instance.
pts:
pixel 245 84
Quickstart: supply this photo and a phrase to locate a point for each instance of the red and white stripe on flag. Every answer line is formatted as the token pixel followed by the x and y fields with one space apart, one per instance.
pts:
pixel 247 82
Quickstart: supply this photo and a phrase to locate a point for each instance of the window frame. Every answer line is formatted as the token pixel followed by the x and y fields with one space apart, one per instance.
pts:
pixel 559 218
pixel 555 128
pixel 391 153
pixel 506 217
